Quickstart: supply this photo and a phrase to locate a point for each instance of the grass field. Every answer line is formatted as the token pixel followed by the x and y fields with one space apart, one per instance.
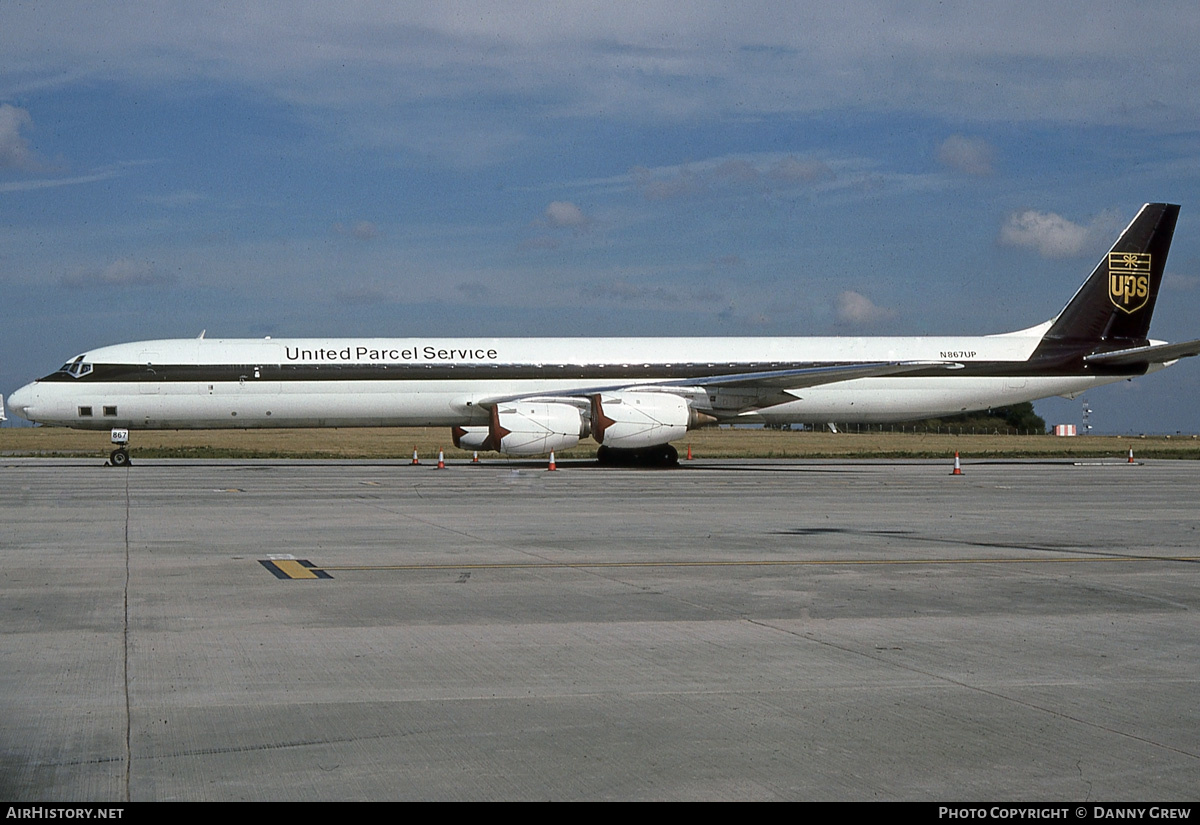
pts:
pixel 708 443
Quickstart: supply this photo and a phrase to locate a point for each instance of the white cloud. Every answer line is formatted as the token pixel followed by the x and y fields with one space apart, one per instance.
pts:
pixel 1050 235
pixel 54 183
pixel 99 174
pixel 565 214
pixel 14 149
pixel 753 172
pixel 969 156
pixel 658 60
pixel 856 308
pixel 736 172
pixel 664 184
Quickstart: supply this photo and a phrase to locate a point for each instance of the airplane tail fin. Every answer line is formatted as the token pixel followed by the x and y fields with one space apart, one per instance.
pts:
pixel 1114 305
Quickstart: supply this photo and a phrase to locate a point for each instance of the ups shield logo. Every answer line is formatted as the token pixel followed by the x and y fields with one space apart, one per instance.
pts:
pixel 1129 280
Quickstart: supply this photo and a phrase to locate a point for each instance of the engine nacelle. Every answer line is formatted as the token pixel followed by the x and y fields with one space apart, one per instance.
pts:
pixel 533 428
pixel 634 420
pixel 469 438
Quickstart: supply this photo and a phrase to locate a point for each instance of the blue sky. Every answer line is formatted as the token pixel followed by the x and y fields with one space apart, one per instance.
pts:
pixel 297 169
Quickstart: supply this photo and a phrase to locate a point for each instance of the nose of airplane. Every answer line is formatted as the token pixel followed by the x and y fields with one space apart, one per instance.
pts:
pixel 20 401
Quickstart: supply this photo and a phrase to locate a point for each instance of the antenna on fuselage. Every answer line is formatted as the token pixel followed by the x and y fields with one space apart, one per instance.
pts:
pixel 200 337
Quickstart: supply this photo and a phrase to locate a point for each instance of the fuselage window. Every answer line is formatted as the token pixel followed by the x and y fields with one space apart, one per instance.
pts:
pixel 85 412
pixel 110 410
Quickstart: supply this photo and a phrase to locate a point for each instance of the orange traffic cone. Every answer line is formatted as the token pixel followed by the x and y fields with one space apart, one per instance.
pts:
pixel 552 466
pixel 415 460
pixel 957 467
pixel 441 460
pixel 689 458
pixel 1131 461
pixel 475 457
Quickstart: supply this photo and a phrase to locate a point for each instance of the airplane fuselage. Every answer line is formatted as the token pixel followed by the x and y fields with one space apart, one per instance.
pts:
pixel 371 382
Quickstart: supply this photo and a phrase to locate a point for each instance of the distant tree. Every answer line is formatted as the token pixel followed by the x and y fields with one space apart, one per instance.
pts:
pixel 1022 417
pixel 1016 417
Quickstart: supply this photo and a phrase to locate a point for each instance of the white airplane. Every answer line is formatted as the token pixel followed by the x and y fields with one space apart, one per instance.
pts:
pixel 528 396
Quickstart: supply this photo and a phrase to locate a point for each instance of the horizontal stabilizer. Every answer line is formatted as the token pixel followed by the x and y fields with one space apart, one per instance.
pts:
pixel 1156 354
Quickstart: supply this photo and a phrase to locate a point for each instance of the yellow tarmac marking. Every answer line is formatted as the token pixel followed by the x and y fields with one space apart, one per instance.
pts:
pixel 759 563
pixel 294 569
pixel 282 568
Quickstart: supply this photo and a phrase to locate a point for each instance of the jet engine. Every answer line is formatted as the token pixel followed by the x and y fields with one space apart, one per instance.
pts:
pixel 634 420
pixel 532 428
pixel 469 438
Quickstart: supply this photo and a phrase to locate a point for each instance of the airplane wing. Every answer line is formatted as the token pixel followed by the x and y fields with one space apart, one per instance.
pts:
pixel 804 377
pixel 1153 354
pixel 770 384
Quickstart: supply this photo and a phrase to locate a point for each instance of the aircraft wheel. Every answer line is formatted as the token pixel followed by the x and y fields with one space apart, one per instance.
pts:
pixel 664 455
pixel 119 458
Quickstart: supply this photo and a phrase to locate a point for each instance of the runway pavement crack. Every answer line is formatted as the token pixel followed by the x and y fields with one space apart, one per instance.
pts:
pixel 125 646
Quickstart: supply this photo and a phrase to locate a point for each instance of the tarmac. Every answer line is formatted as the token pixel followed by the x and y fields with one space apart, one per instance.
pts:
pixel 729 630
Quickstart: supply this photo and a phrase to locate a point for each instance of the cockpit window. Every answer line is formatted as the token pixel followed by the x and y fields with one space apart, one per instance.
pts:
pixel 76 368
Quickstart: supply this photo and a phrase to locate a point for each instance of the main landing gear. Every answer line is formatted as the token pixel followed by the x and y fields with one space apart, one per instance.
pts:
pixel 120 456
pixel 660 455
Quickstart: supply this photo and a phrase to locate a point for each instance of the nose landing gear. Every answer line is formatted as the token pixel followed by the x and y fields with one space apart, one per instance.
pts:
pixel 120 456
